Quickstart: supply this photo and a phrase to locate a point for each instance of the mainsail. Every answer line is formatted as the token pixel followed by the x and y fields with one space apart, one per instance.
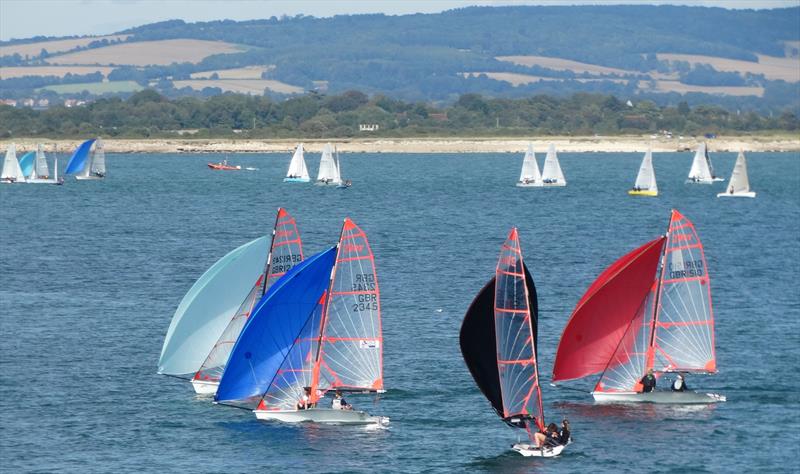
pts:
pixel 77 162
pixel 739 182
pixel 40 169
pixel 646 179
pixel 701 170
pixel 98 167
pixel 530 169
pixel 551 171
pixel 285 252
pixel 328 170
pixel 11 170
pixel 297 167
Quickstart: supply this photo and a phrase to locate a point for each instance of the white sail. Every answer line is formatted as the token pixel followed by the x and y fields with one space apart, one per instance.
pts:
pixel 530 176
pixel 297 167
pixel 551 171
pixel 12 173
pixel 701 171
pixel 646 179
pixel 739 184
pixel 328 171
pixel 98 167
pixel 40 169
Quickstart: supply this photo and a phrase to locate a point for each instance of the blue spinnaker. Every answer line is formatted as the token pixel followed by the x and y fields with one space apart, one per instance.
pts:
pixel 273 328
pixel 78 159
pixel 26 163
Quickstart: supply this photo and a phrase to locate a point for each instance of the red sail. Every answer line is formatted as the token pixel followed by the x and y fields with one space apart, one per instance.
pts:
pixel 604 314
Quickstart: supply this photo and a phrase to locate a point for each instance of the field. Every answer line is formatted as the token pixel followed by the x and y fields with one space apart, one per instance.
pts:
pixel 60 71
pixel 55 46
pixel 774 68
pixel 146 53
pixel 520 79
pixel 96 87
pixel 675 86
pixel 242 86
pixel 247 72
pixel 562 65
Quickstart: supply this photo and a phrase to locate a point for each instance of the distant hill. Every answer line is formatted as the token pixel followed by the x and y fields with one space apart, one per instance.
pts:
pixel 737 58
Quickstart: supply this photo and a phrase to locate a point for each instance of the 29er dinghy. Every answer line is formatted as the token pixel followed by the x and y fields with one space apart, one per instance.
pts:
pixel 499 344
pixel 318 329
pixel 651 309
pixel 285 252
pixel 739 186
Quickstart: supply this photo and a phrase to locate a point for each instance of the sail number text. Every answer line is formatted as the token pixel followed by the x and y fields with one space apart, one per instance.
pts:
pixel 691 268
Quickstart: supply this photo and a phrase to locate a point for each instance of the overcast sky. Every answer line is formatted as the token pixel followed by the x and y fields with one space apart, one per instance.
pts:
pixel 26 18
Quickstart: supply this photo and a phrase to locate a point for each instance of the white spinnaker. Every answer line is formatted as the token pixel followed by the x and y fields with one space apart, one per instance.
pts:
pixel 739 182
pixel 40 165
pixel 684 333
pixel 208 307
pixel 530 168
pixel 646 179
pixel 99 159
pixel 551 171
pixel 700 170
pixel 11 168
pixel 327 167
pixel 297 167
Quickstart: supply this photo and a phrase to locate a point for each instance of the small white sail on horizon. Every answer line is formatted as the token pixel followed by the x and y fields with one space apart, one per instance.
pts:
pixel 12 172
pixel 328 170
pixel 298 172
pixel 529 175
pixel 645 184
pixel 702 171
pixel 551 171
pixel 739 185
pixel 343 183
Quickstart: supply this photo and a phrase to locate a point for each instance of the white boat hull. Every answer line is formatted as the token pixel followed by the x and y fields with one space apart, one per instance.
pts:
pixel 529 450
pixel 296 180
pixel 204 387
pixel 749 194
pixel 547 185
pixel 704 181
pixel 663 397
pixel 88 178
pixel 322 415
pixel 529 185
pixel 41 181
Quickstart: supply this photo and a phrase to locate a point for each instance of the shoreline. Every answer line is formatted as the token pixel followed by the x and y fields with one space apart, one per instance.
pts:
pixel 584 144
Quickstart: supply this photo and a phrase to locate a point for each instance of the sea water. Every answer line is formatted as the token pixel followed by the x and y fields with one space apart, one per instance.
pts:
pixel 92 272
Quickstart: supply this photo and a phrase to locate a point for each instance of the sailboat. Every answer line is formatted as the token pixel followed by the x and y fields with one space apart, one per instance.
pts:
pixel 40 172
pixel 26 163
pixel 328 169
pixel 298 173
pixel 649 310
pixel 551 171
pixel 343 183
pixel 11 173
pixel 645 184
pixel 739 185
pixel 499 343
pixel 702 170
pixel 208 307
pixel 85 164
pixel 530 176
pixel 285 251
pixel 317 330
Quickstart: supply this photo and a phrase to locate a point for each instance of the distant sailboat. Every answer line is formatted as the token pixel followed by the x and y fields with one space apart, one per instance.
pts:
pixel 85 164
pixel 285 252
pixel 26 163
pixel 12 173
pixel 343 183
pixel 646 179
pixel 702 170
pixel 551 171
pixel 739 185
pixel 499 344
pixel 328 174
pixel 40 172
pixel 530 176
pixel 298 173
pixel 649 310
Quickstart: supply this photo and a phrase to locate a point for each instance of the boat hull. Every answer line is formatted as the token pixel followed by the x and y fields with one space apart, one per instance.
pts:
pixel 704 181
pixel 323 183
pixel 642 193
pixel 205 387
pixel 529 185
pixel 749 194
pixel 661 397
pixel 88 178
pixel 548 185
pixel 221 167
pixel 529 450
pixel 296 180
pixel 322 415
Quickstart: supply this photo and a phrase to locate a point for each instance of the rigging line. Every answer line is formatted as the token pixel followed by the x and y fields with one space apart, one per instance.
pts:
pixel 635 316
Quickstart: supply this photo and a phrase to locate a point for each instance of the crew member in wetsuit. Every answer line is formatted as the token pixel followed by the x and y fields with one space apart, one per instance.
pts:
pixel 679 385
pixel 563 436
pixel 648 382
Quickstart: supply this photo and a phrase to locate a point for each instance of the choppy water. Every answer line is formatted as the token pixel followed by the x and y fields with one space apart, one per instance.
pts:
pixel 92 272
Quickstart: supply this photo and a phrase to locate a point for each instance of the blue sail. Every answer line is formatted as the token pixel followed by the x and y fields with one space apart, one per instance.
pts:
pixel 78 159
pixel 26 163
pixel 273 328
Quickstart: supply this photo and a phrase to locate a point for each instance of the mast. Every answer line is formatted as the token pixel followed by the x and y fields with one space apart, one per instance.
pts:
pixel 649 361
pixel 268 266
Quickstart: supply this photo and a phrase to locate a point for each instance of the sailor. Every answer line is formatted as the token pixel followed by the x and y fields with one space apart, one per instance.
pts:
pixel 547 437
pixel 339 403
pixel 563 436
pixel 305 400
pixel 679 385
pixel 648 382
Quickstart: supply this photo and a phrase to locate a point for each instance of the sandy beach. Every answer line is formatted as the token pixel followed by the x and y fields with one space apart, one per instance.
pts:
pixel 629 143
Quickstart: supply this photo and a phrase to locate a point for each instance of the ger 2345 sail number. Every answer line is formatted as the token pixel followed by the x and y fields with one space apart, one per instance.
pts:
pixel 365 301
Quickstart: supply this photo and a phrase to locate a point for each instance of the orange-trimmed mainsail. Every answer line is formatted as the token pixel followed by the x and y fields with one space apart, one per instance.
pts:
pixel 286 250
pixel 515 340
pixel 350 350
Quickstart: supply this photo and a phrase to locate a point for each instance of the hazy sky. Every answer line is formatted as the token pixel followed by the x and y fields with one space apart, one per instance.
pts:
pixel 26 18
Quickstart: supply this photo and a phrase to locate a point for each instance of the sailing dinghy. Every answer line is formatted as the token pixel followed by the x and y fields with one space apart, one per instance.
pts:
pixel 499 344
pixel 85 164
pixel 651 309
pixel 298 173
pixel 26 163
pixel 40 172
pixel 285 251
pixel 530 176
pixel 12 173
pixel 551 170
pixel 702 170
pixel 328 174
pixel 318 329
pixel 739 185
pixel 343 183
pixel 645 184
